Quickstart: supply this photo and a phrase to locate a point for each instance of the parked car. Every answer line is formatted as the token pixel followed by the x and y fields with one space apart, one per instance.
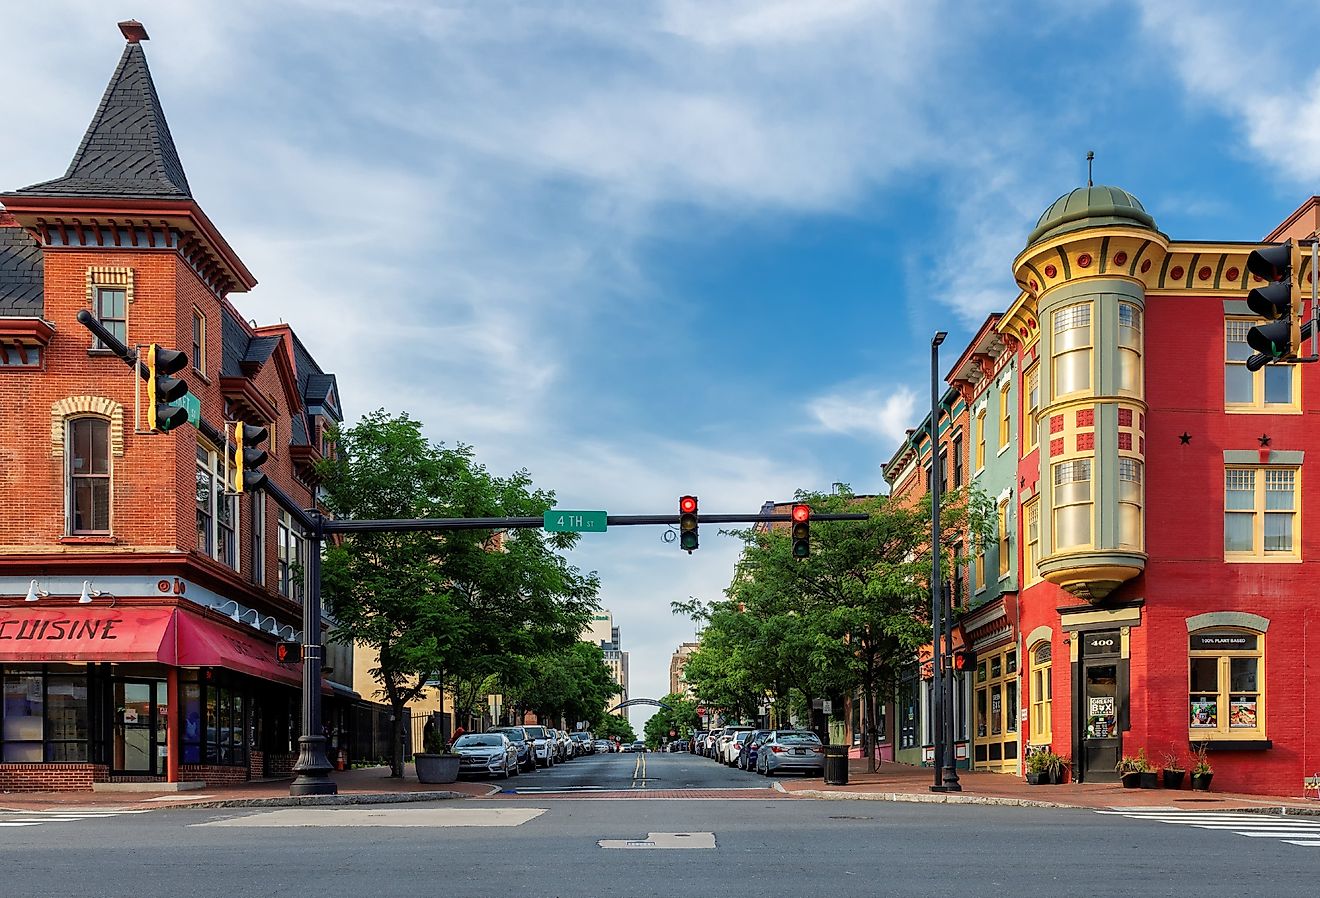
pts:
pixel 518 736
pixel 557 740
pixel 626 746
pixel 698 738
pixel 604 746
pixel 639 745
pixel 543 747
pixel 747 755
pixel 678 745
pixel 488 753
pixel 585 744
pixel 733 740
pixel 791 750
pixel 708 749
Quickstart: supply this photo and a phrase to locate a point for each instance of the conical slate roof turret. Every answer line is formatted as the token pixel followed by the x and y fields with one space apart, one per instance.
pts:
pixel 127 151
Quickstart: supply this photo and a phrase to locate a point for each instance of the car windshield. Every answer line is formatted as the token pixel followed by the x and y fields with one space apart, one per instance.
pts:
pixel 512 734
pixel 798 739
pixel 535 732
pixel 479 741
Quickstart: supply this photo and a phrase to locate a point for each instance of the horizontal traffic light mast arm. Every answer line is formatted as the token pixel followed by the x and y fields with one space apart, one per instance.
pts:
pixel 111 342
pixel 614 520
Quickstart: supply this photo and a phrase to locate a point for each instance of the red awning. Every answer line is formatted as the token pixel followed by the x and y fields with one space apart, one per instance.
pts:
pixel 204 643
pixel 87 634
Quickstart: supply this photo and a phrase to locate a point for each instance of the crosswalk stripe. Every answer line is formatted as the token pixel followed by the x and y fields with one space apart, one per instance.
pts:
pixel 1305 843
pixel 21 822
pixel 1287 830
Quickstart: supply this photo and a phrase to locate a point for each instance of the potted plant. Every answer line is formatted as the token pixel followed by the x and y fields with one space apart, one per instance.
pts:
pixel 1130 768
pixel 1173 769
pixel 1149 778
pixel 1201 769
pixel 1038 768
pixel 1058 763
pixel 434 764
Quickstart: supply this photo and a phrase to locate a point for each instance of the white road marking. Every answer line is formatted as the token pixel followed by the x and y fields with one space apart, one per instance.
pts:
pixel 37 818
pixel 360 816
pixel 1291 830
pixel 663 841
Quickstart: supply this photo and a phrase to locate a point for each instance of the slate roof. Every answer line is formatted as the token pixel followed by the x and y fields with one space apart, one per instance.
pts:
pixel 314 385
pixel 127 151
pixel 22 274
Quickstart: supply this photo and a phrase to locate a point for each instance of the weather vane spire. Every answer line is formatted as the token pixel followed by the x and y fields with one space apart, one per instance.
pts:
pixel 1090 162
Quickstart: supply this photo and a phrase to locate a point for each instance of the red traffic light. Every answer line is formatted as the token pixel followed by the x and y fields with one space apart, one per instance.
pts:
pixel 801 512
pixel 687 504
pixel 288 652
pixel 964 660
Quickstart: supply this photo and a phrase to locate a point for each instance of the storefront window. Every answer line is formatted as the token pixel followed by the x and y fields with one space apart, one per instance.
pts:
pixel 909 724
pixel 1042 693
pixel 44 716
pixel 1226 687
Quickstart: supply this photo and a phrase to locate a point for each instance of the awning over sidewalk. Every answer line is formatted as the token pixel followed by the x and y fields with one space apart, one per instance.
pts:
pixel 171 636
pixel 87 634
pixel 204 643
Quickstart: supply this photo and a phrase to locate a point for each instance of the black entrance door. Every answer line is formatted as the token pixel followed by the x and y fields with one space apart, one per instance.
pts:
pixel 1100 710
pixel 139 736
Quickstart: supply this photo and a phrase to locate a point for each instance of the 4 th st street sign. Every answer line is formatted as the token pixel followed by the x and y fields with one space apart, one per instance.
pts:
pixel 558 521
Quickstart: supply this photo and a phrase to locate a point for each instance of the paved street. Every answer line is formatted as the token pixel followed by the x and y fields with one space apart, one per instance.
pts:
pixel 549 846
pixel 642 772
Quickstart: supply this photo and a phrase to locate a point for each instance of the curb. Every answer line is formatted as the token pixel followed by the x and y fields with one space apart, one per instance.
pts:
pixel 1283 810
pixel 314 801
pixel 933 798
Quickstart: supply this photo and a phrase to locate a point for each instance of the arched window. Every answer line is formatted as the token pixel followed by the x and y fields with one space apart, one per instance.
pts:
pixel 1042 693
pixel 1226 685
pixel 88 460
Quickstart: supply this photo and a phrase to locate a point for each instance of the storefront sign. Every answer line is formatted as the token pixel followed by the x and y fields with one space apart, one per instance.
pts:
pixel 1228 642
pixel 1102 643
pixel 1100 717
pixel 86 634
pixel 1242 714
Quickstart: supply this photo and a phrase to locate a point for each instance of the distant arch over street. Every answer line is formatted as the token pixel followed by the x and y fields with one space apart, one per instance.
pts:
pixel 638 701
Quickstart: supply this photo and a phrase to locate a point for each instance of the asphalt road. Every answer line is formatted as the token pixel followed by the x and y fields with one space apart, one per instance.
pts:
pixel 584 845
pixel 643 771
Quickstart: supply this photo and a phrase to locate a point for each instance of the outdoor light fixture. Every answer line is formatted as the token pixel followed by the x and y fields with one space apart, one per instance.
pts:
pixel 88 593
pixel 35 592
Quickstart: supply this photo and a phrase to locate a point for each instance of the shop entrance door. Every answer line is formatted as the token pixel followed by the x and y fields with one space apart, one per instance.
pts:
pixel 1101 706
pixel 139 734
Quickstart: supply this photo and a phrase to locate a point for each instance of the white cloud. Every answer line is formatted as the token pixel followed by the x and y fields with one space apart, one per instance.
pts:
pixel 1268 87
pixel 875 413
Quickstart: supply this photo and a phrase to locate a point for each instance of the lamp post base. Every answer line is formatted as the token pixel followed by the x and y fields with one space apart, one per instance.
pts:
pixel 950 777
pixel 313 769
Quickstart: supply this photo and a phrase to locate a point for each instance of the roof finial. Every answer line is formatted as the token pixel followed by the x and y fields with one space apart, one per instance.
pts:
pixel 1090 161
pixel 133 31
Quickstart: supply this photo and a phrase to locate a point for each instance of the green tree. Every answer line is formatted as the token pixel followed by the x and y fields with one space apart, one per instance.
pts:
pixel 615 728
pixel 846 618
pixel 441 606
pixel 679 716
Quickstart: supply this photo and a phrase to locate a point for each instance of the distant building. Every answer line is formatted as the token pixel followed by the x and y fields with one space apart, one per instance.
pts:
pixel 600 630
pixel 677 664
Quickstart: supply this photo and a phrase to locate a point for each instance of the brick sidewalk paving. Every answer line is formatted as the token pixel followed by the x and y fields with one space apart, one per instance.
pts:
pixel 367 781
pixel 903 782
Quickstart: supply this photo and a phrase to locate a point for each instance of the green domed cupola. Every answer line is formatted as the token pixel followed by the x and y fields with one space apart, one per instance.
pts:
pixel 1089 207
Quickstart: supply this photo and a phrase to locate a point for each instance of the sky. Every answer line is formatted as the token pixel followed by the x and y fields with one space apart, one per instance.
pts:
pixel 645 249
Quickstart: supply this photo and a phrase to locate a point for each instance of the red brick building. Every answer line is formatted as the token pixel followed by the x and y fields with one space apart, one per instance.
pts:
pixel 1167 558
pixel 140 599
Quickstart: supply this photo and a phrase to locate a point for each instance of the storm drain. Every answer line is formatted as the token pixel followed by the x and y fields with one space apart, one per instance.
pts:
pixel 663 840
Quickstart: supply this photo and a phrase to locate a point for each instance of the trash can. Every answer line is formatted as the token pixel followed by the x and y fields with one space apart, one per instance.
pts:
pixel 836 765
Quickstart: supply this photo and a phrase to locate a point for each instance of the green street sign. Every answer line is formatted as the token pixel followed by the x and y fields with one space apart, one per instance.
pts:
pixel 558 521
pixel 194 407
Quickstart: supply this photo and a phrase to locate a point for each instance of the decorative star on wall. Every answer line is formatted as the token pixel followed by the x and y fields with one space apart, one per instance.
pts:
pixel 1264 439
pixel 1185 438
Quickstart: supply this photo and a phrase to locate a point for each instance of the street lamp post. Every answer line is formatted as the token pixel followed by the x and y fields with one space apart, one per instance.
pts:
pixel 936 604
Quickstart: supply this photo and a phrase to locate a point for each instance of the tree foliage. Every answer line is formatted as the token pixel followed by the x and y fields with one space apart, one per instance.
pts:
pixel 456 606
pixel 845 619
pixel 680 716
pixel 615 728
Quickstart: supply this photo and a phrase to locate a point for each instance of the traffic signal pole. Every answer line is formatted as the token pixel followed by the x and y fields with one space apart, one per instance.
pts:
pixel 313 766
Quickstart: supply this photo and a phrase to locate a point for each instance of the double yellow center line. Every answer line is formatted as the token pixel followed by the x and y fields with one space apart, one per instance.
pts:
pixel 639 772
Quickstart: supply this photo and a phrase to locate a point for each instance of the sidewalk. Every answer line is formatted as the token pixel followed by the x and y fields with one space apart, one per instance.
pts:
pixel 900 782
pixel 368 785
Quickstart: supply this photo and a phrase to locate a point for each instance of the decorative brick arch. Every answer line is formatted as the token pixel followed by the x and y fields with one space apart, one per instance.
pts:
pixel 62 411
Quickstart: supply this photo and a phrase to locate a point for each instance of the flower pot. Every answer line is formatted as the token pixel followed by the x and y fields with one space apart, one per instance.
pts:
pixel 1038 779
pixel 1150 780
pixel 1131 780
pixel 1056 777
pixel 436 768
pixel 1173 779
pixel 1201 781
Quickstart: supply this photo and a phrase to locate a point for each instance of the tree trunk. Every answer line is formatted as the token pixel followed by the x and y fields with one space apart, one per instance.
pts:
pixel 868 726
pixel 400 709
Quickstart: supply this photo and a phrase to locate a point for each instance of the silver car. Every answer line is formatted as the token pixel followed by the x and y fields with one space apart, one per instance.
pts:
pixel 488 753
pixel 791 750
pixel 544 751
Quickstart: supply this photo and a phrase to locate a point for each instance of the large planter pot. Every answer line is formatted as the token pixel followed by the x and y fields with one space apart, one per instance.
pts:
pixel 1173 779
pixel 1131 780
pixel 436 768
pixel 1201 781
pixel 1056 777
pixel 1038 779
pixel 1150 780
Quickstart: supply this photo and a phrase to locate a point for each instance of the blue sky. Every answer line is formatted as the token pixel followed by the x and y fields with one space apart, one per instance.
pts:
pixel 645 249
